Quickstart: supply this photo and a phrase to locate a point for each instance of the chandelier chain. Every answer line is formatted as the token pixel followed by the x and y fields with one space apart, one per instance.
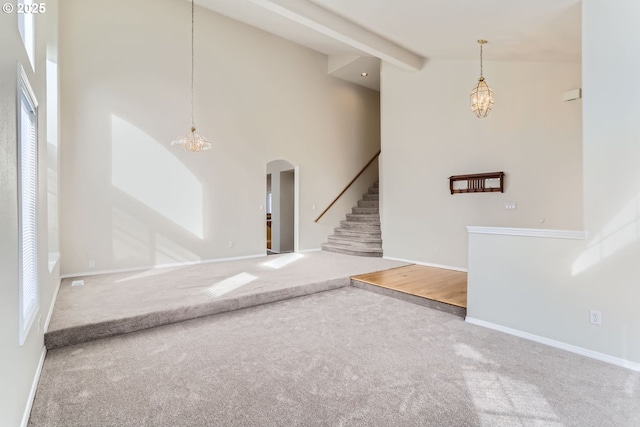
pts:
pixel 481 60
pixel 193 125
pixel 192 141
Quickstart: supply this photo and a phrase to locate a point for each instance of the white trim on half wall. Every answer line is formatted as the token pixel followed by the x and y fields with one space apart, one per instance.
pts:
pixel 529 232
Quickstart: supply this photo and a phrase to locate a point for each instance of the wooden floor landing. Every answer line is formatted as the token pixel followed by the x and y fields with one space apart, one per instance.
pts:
pixel 437 284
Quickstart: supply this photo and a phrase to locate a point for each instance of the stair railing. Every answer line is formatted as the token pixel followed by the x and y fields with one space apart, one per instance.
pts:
pixel 348 185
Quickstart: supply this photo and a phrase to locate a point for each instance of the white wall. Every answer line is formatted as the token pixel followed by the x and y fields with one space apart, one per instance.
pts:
pixel 562 280
pixel 130 200
pixel 430 133
pixel 20 363
pixel 609 270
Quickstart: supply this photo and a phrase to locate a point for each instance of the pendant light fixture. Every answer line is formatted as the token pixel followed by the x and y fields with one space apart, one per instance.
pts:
pixel 481 95
pixel 192 141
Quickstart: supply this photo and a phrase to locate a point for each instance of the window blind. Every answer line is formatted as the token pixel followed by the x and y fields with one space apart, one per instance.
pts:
pixel 28 205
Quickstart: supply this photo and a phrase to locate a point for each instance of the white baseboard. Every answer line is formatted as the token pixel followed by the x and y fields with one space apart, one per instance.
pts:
pixel 558 344
pixel 310 250
pixel 151 267
pixel 34 386
pixel 427 264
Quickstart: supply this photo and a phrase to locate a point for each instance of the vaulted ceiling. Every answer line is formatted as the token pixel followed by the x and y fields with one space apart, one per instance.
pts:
pixel 410 32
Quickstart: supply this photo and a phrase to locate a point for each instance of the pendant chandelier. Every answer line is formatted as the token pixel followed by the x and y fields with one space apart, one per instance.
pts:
pixel 191 141
pixel 481 95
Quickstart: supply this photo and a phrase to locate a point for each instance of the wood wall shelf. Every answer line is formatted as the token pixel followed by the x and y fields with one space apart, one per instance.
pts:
pixel 477 183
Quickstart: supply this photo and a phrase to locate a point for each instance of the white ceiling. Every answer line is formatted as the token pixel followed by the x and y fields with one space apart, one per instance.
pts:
pixel 408 33
pixel 523 30
pixel 251 13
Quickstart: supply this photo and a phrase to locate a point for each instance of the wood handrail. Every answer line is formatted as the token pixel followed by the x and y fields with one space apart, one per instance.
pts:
pixel 348 185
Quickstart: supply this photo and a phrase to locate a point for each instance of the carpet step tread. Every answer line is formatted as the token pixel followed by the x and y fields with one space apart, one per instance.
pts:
pixel 353 225
pixel 368 203
pixel 352 241
pixel 369 211
pixel 357 233
pixel 371 252
pixel 364 217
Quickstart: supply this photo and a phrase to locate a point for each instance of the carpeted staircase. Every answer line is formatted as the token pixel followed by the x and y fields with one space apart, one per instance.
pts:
pixel 360 234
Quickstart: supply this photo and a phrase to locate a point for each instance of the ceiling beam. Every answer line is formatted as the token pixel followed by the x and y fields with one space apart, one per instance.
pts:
pixel 335 26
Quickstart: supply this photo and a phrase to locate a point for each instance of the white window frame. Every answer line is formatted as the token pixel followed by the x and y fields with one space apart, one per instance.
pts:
pixel 27 159
pixel 268 202
pixel 26 26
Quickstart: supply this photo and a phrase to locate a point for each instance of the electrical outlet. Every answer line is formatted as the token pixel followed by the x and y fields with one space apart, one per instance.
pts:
pixel 595 317
pixel 230 243
pixel 92 263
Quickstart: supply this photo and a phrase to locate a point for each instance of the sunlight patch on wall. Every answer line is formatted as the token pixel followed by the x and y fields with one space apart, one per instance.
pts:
pixel 621 231
pixel 144 169
pixel 130 238
pixel 169 252
pixel 227 285
pixel 500 400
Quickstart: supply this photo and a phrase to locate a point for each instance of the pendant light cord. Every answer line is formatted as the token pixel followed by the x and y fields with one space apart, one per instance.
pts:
pixel 481 44
pixel 193 125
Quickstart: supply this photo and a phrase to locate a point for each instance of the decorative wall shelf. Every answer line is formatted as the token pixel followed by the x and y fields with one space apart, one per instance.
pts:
pixel 477 183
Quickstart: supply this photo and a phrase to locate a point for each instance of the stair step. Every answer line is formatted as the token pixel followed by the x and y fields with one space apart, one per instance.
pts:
pixel 436 305
pixel 370 211
pixel 368 203
pixel 368 252
pixel 355 241
pixel 353 225
pixel 342 232
pixel 360 234
pixel 375 218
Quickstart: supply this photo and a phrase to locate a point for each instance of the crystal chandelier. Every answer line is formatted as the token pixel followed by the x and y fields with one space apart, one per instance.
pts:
pixel 481 95
pixel 192 141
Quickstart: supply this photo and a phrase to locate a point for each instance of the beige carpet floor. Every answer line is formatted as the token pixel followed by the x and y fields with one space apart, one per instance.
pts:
pixel 346 357
pixel 112 304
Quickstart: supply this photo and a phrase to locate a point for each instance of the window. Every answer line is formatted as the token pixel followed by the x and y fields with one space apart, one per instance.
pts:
pixel 27 204
pixel 27 30
pixel 269 199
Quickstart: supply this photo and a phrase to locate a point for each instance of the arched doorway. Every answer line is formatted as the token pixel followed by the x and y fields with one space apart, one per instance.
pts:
pixel 282 207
